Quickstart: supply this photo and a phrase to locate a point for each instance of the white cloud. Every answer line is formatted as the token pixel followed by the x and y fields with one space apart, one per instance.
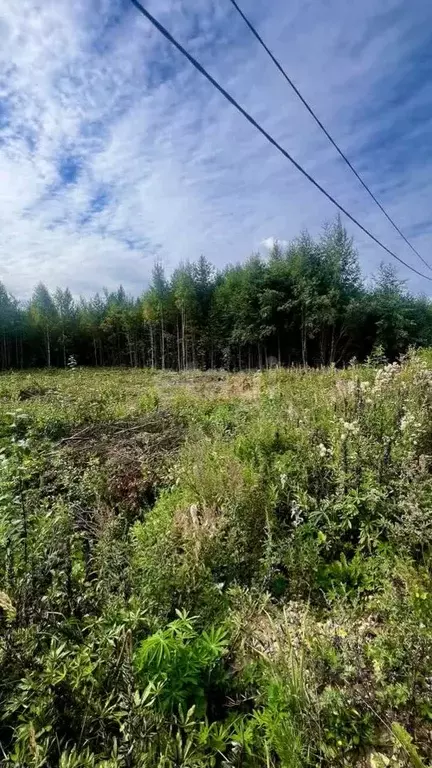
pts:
pixel 167 168
pixel 270 242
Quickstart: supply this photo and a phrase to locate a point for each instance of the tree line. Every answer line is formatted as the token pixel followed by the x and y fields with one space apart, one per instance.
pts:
pixel 304 304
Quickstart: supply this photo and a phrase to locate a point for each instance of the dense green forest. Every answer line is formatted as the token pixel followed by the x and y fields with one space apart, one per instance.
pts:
pixel 306 303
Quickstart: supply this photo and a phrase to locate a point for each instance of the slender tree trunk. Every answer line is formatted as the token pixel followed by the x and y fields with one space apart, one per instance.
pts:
pixel 304 339
pixel 265 356
pixel 162 342
pixel 184 347
pixel 119 349
pixel 152 346
pixel 332 346
pixel 239 358
pixel 135 352
pixel 279 350
pixel 323 346
pixel 249 357
pixel 193 350
pixel 95 351
pixel 3 352
pixel 129 344
pixel 259 356
pixel 48 348
pixel 341 351
pixel 178 347
pixel 6 352
pixel 64 348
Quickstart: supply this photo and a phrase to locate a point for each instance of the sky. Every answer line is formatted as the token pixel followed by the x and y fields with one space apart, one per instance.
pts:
pixel 115 152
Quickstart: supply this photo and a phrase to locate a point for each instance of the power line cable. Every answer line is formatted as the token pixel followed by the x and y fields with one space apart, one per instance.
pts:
pixel 324 129
pixel 269 138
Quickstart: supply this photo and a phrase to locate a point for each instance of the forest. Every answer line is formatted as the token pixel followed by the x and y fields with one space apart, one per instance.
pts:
pixel 304 304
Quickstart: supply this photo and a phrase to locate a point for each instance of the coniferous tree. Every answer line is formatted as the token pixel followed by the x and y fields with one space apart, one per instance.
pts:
pixel 304 304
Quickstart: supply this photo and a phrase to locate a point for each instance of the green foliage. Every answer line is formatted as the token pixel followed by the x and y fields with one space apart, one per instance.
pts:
pixel 305 304
pixel 213 569
pixel 182 666
pixel 149 401
pixel 344 728
pixel 407 743
pixel 285 719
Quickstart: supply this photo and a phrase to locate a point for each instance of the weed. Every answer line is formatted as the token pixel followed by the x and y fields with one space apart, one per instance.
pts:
pixel 215 569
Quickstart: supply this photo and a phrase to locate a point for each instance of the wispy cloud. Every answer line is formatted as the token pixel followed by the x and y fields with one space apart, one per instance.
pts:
pixel 270 242
pixel 113 150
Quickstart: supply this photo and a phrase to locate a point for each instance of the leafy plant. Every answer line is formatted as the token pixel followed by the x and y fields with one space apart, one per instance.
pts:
pixel 184 667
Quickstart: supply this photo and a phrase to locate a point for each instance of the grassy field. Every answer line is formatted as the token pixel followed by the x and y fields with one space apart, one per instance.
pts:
pixel 213 569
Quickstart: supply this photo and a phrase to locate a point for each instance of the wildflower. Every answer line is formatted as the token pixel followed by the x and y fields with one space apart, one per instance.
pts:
pixel 350 426
pixel 408 420
pixel 322 450
pixel 405 421
pixel 296 514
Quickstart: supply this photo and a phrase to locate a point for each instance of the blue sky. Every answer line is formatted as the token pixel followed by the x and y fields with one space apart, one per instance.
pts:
pixel 114 151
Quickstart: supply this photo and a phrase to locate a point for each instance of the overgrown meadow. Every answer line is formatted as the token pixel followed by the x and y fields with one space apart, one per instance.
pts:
pixel 213 569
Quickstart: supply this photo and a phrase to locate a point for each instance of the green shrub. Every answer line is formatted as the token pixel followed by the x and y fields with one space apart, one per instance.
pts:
pixel 149 401
pixel 183 667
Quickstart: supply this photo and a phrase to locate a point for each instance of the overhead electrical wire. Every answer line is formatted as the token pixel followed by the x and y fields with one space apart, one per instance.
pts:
pixel 266 135
pixel 324 129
